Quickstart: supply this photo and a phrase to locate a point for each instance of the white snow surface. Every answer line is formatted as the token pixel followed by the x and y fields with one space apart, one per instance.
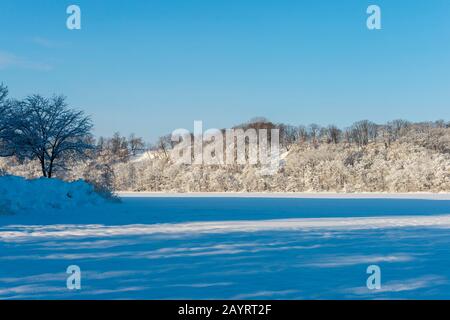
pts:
pixel 223 227
pixel 20 195
pixel 219 247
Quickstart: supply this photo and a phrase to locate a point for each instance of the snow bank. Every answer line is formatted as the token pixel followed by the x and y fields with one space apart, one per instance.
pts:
pixel 18 194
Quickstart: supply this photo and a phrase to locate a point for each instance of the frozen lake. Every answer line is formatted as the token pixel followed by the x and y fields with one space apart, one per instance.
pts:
pixel 230 248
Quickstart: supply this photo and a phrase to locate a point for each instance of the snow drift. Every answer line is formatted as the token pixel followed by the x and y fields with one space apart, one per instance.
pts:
pixel 18 194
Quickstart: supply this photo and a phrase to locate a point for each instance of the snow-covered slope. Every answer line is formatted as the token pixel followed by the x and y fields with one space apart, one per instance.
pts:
pixel 18 195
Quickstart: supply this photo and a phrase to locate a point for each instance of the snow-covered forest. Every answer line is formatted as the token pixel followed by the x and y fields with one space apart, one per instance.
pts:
pixel 50 139
pixel 414 158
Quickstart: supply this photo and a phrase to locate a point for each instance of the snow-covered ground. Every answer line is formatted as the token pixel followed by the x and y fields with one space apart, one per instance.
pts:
pixel 20 195
pixel 241 248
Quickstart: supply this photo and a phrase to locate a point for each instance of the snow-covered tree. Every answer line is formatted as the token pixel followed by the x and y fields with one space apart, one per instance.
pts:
pixel 363 132
pixel 6 119
pixel 49 131
pixel 136 144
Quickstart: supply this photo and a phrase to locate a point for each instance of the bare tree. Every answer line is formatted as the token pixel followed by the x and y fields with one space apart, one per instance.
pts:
pixel 348 135
pixel 165 144
pixel 6 121
pixel 313 131
pixel 440 123
pixel 3 93
pixel 363 132
pixel 118 146
pixel 101 144
pixel 333 134
pixel 48 130
pixel 302 133
pixel 396 129
pixel 288 134
pixel 136 144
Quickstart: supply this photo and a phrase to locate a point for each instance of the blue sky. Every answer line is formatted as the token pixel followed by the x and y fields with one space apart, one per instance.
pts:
pixel 150 67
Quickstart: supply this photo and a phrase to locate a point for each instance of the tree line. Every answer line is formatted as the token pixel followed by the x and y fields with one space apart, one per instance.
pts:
pixel 360 133
pixel 57 136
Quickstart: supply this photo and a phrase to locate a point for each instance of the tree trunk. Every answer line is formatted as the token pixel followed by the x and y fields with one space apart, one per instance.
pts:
pixel 50 170
pixel 44 173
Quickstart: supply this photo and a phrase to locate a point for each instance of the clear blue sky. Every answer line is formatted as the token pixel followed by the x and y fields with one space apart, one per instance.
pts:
pixel 153 66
